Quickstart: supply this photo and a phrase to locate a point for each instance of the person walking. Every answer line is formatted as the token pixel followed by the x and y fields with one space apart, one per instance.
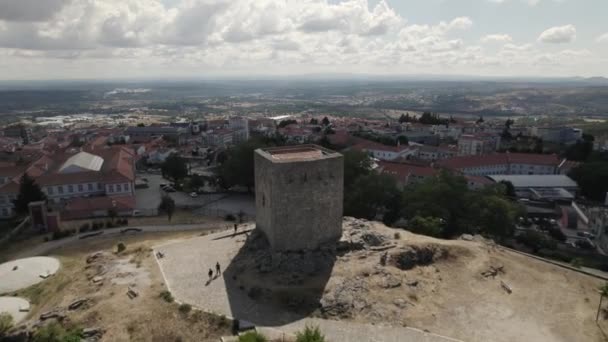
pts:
pixel 236 226
pixel 210 274
pixel 218 271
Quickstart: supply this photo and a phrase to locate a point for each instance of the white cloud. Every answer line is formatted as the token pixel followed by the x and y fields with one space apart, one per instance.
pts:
pixel 460 23
pixel 528 2
pixel 500 38
pixel 603 38
pixel 146 37
pixel 558 34
pixel 30 10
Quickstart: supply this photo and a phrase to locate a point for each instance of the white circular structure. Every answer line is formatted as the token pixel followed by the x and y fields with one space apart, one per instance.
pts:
pixel 16 307
pixel 19 274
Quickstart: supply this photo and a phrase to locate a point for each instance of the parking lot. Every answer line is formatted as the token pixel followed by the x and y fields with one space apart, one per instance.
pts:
pixel 218 204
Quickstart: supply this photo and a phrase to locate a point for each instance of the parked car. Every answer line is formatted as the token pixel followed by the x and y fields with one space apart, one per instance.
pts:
pixel 168 189
pixel 193 195
pixel 162 185
pixel 136 213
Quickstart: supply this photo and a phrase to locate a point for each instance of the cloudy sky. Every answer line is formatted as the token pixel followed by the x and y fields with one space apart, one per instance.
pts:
pixel 55 39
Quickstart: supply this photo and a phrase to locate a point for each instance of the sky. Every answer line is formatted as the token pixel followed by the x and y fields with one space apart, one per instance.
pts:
pixel 105 39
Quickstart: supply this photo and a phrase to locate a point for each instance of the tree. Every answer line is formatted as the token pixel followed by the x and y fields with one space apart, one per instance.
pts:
pixel 496 216
pixel 141 124
pixel 174 168
pixel 196 181
pixel 591 178
pixel 444 196
pixel 509 188
pixel 447 197
pixel 430 226
pixel 29 192
pixel 112 213
pixel 167 205
pixel 480 120
pixel 314 121
pixel 402 140
pixel 238 168
pixel 370 196
pixel 325 121
pixel 356 164
pixel 581 150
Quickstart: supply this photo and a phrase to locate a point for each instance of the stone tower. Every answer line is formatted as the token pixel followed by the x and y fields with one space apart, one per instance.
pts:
pixel 299 193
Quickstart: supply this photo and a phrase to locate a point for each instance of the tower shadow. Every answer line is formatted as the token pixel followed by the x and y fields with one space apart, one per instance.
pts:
pixel 270 288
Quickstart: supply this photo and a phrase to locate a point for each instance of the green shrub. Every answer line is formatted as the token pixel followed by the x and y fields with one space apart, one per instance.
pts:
pixel 6 323
pixel 120 247
pixel 252 336
pixel 60 234
pixel 230 217
pixel 167 296
pixel 185 308
pixel 397 236
pixel 430 226
pixel 85 227
pixel 577 262
pixel 310 334
pixel 55 332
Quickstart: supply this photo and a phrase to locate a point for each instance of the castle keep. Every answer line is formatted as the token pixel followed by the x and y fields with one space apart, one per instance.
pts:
pixel 299 193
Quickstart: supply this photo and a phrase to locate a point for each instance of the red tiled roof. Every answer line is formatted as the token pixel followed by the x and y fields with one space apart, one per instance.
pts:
pixel 464 162
pixel 11 171
pixel 402 170
pixel 538 159
pixel 11 187
pixel 117 167
pixel 80 208
pixel 372 145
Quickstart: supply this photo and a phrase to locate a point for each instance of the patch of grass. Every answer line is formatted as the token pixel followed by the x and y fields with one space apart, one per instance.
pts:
pixel 310 334
pixel 252 336
pixel 166 296
pixel 55 332
pixel 41 293
pixel 185 308
pixel 6 323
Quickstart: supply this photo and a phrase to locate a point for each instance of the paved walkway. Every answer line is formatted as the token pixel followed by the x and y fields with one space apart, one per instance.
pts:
pixel 185 265
pixel 17 307
pixel 21 273
pixel 46 247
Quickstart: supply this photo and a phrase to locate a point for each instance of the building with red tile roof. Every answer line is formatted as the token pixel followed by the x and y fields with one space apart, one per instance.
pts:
pixel 406 173
pixel 384 152
pixel 503 164
pixel 106 172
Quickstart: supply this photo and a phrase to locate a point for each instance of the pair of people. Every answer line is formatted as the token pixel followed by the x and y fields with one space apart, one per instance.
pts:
pixel 218 271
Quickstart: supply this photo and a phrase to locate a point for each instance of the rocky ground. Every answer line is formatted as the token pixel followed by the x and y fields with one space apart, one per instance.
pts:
pixel 470 289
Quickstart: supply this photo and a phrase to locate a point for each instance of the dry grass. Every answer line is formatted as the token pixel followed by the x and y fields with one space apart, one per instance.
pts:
pixel 145 318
